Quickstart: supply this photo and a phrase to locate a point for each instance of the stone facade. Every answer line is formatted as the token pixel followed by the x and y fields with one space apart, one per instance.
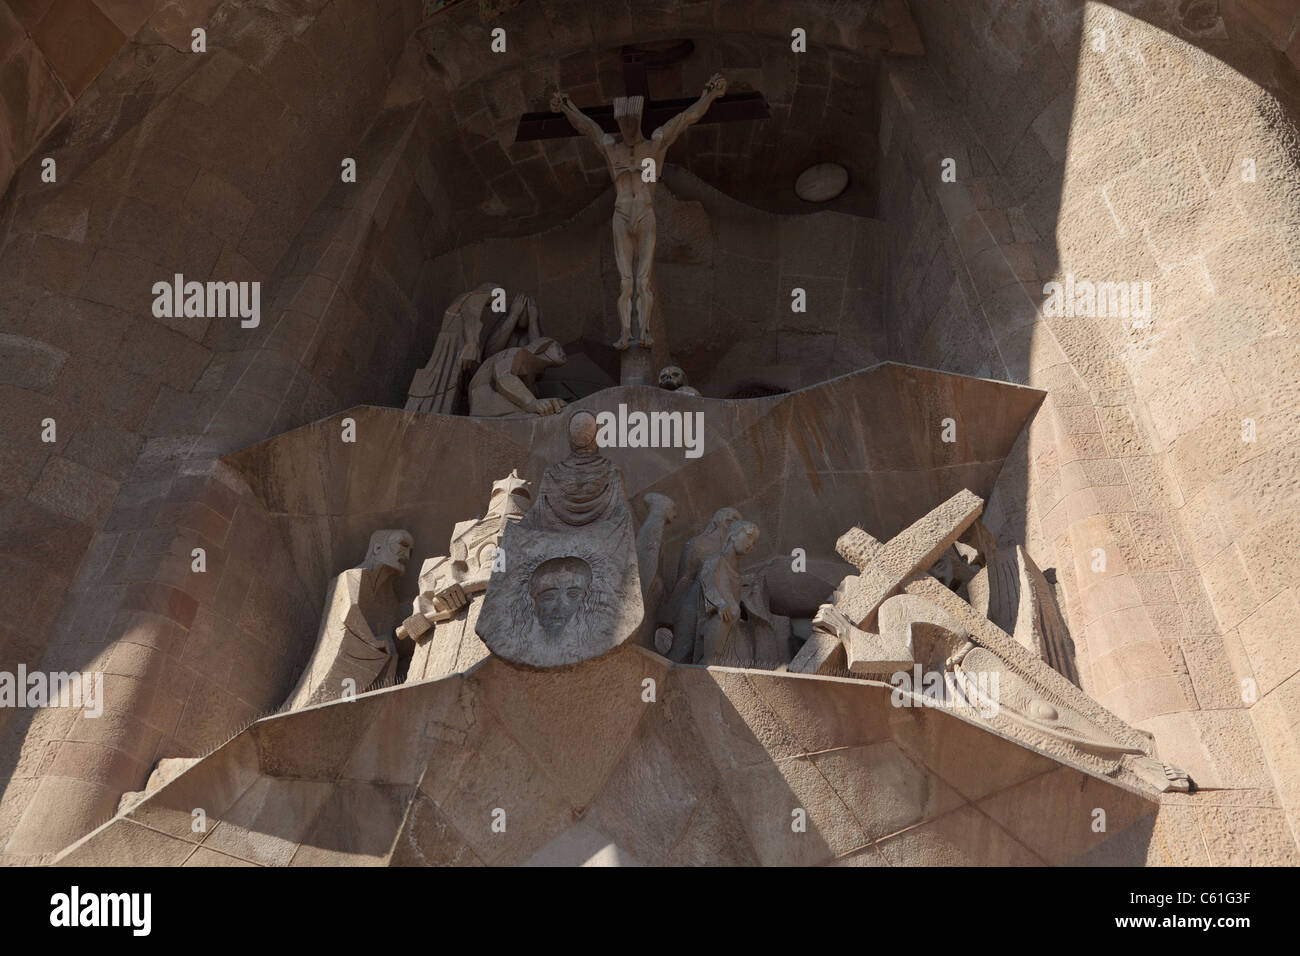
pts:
pixel 731 756
pixel 1139 448
pixel 1120 163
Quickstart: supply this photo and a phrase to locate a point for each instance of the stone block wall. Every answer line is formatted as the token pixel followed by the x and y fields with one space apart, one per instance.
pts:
pixel 710 778
pixel 1122 162
pixel 50 52
pixel 823 102
pixel 226 167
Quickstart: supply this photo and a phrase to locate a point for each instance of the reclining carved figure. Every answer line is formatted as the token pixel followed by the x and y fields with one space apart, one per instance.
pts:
pixel 503 384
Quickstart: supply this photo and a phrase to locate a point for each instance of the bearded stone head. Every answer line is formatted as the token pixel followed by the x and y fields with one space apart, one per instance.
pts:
pixel 390 548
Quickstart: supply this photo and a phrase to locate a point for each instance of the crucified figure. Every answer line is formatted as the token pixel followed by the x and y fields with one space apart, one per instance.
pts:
pixel 634 164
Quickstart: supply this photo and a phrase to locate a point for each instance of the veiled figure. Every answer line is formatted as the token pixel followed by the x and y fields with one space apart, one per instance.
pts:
pixel 680 611
pixel 567 586
pixel 718 597
pixel 462 346
pixel 583 488
pixel 354 648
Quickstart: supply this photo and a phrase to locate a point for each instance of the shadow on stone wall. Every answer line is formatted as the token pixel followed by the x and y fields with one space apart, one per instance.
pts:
pixel 1108 147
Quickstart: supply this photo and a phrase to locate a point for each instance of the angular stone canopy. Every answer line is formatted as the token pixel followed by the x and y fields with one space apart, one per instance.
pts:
pixel 711 772
pixel 803 465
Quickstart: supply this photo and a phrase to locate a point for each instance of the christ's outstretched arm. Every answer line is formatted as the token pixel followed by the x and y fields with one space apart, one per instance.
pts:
pixel 669 132
pixel 583 123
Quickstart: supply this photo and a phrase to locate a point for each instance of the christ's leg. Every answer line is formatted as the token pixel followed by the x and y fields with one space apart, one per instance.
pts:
pixel 624 253
pixel 645 257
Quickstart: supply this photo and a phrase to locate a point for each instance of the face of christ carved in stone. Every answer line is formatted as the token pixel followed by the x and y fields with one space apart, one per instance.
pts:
pixel 559 587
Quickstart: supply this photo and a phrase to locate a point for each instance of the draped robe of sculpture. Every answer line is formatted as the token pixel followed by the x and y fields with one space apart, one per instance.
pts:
pixel 520 327
pixel 1012 592
pixel 503 384
pixel 456 352
pixel 462 346
pixel 354 649
pixel 679 611
pixel 719 588
pixel 568 586
pixel 584 488
pixel 717 598
pixel 762 637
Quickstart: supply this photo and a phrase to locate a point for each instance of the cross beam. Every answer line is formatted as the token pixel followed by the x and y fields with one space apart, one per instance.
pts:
pixel 725 109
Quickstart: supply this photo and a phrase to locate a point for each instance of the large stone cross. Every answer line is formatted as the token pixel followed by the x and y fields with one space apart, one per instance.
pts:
pixel 725 109
pixel 634 134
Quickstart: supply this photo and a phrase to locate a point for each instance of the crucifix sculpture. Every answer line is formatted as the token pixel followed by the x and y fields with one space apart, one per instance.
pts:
pixel 635 163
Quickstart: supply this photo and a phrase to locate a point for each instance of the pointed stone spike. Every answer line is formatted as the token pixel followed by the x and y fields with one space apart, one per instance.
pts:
pixel 1040 625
